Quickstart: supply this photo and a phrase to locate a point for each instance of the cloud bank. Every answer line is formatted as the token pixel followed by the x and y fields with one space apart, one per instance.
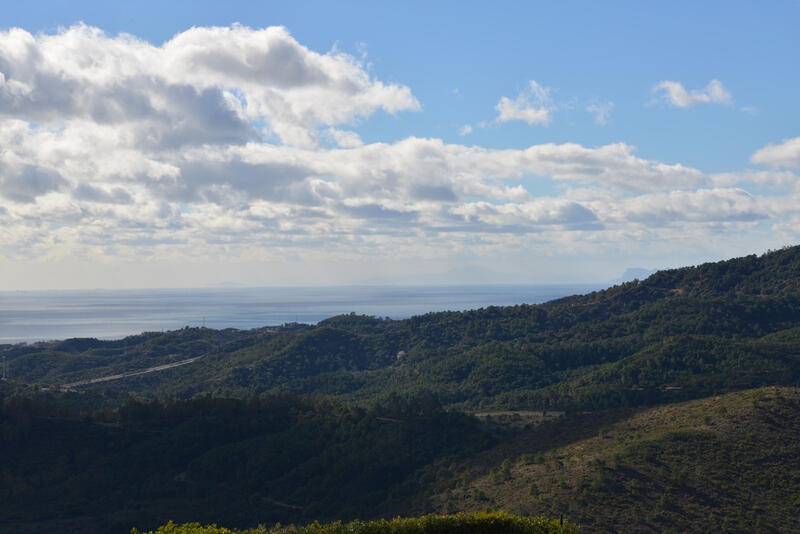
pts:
pixel 239 142
pixel 206 85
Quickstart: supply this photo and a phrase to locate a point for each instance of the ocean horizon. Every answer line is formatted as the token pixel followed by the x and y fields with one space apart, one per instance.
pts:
pixel 31 316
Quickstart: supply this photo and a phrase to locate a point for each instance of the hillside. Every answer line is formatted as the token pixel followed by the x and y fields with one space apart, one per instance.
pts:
pixel 668 404
pixel 240 463
pixel 727 463
pixel 680 334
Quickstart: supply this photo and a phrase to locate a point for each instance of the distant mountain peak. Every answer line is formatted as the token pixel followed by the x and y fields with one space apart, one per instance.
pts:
pixel 634 273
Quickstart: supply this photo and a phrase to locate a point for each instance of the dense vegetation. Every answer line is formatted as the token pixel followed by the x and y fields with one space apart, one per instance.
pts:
pixel 222 460
pixel 727 463
pixel 681 334
pixel 477 523
pixel 363 417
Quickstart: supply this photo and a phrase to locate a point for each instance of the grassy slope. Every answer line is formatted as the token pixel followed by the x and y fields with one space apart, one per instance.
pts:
pixel 724 463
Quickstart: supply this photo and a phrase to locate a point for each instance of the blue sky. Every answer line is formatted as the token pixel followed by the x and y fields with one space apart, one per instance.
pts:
pixel 517 141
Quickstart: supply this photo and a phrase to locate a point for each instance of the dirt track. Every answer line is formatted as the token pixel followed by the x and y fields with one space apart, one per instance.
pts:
pixel 132 373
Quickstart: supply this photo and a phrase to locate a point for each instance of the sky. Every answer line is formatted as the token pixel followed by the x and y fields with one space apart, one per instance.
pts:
pixel 202 144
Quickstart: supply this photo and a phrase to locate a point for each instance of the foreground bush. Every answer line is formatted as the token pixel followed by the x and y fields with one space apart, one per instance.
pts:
pixel 480 523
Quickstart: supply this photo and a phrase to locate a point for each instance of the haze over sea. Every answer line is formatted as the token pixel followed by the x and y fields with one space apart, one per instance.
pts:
pixel 28 316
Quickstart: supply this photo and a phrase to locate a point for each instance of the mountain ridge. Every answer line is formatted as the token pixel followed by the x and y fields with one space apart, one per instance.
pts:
pixel 633 397
pixel 512 357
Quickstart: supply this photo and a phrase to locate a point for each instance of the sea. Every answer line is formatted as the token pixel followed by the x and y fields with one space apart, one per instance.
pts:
pixel 30 316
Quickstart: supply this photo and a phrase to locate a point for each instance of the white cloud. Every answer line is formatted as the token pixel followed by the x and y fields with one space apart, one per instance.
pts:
pixel 207 147
pixel 533 106
pixel 677 96
pixel 257 192
pixel 418 179
pixel 533 215
pixel 785 154
pixel 704 205
pixel 345 138
pixel 774 178
pixel 465 130
pixel 601 112
pixel 206 85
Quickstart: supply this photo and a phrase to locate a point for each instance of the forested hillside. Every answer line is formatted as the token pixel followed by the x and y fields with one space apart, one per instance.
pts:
pixel 668 404
pixel 223 460
pixel 679 334
pixel 727 463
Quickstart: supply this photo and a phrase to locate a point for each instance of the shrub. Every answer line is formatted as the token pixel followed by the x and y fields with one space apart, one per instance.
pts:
pixel 476 523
